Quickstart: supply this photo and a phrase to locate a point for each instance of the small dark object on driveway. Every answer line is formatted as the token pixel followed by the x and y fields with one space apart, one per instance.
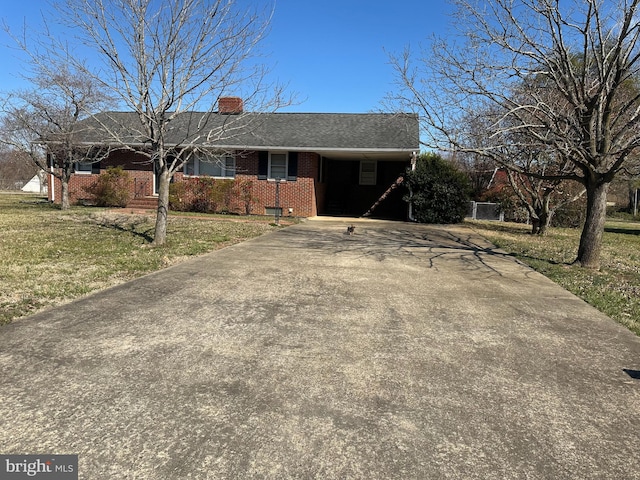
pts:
pixel 351 229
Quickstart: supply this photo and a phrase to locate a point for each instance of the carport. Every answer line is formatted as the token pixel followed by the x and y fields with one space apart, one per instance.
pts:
pixel 355 183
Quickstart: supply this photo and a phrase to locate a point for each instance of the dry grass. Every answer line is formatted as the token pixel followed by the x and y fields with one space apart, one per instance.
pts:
pixel 614 289
pixel 49 257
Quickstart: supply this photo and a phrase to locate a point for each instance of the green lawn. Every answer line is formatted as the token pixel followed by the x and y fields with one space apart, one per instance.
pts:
pixel 48 257
pixel 614 289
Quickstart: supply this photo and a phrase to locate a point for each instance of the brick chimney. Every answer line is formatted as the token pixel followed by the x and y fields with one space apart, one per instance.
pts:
pixel 229 105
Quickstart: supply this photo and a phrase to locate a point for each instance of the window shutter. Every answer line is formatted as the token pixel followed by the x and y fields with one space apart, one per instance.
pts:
pixel 292 170
pixel 263 165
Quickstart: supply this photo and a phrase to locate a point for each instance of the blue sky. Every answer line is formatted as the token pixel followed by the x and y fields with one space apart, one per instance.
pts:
pixel 331 52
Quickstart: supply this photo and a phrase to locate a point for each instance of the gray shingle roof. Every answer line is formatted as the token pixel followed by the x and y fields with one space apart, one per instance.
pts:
pixel 293 131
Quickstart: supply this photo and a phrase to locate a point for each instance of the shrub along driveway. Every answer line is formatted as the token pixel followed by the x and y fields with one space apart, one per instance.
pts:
pixel 403 351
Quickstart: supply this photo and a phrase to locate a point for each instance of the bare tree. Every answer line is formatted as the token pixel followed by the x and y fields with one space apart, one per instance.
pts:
pixel 478 168
pixel 541 197
pixel 50 113
pixel 15 168
pixel 578 64
pixel 535 172
pixel 164 60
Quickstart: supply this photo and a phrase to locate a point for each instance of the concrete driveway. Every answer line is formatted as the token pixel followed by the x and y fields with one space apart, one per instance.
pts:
pixel 403 351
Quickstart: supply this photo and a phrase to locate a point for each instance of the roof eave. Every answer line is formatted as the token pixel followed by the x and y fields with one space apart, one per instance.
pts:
pixel 320 150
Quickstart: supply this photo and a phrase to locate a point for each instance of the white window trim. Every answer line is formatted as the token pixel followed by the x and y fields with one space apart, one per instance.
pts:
pixel 375 172
pixel 286 166
pixel 196 167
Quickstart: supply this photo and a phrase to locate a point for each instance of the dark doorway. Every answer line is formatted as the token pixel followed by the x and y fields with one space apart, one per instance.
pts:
pixel 347 193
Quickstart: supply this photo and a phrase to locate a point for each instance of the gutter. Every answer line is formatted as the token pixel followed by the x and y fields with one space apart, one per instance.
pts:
pixel 305 148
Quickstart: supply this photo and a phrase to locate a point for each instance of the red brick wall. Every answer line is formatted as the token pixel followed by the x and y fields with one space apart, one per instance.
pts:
pixel 139 168
pixel 141 186
pixel 77 184
pixel 300 195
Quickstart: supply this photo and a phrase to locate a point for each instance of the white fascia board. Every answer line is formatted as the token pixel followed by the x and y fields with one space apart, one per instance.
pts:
pixel 321 150
pixel 315 149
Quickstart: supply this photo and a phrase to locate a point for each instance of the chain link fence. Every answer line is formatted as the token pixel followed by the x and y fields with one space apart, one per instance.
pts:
pixel 485 211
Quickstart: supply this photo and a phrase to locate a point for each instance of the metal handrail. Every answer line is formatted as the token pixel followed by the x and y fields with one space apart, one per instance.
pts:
pixel 139 187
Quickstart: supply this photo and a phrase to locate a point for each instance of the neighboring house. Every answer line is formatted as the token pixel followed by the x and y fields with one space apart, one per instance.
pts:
pixel 36 184
pixel 326 163
pixel 498 183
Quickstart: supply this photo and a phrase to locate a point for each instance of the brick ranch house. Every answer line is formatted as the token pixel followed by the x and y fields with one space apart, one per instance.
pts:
pixel 325 163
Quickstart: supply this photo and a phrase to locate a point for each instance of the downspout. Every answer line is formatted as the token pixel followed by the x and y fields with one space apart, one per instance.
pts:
pixel 414 158
pixel 52 183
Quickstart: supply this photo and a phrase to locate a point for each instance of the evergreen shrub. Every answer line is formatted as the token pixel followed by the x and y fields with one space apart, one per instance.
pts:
pixel 438 191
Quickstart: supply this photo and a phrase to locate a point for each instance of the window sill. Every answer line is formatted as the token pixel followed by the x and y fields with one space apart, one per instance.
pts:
pixel 208 176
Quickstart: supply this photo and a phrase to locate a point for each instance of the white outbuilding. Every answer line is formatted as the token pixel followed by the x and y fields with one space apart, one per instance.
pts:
pixel 33 185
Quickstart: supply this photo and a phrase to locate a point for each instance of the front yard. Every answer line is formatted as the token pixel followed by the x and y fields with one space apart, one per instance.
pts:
pixel 48 257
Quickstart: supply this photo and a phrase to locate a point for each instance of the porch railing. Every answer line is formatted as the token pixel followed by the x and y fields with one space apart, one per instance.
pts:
pixel 140 187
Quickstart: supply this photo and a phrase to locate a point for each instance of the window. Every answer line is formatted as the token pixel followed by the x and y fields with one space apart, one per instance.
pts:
pixel 278 165
pixel 368 172
pixel 282 165
pixel 273 211
pixel 84 167
pixel 211 165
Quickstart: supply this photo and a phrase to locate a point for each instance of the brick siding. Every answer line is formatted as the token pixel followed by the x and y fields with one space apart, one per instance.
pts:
pixel 301 195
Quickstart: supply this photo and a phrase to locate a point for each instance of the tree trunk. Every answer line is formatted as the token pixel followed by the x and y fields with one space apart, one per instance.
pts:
pixel 543 225
pixel 547 213
pixel 64 200
pixel 540 221
pixel 591 238
pixel 160 236
pixel 547 222
pixel 535 225
pixel 42 177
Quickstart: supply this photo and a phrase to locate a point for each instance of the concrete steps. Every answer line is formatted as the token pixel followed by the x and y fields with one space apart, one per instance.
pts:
pixel 145 203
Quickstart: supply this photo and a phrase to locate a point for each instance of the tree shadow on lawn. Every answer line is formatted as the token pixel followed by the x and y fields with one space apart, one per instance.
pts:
pixel 550 261
pixel 626 231
pixel 126 224
pixel 504 228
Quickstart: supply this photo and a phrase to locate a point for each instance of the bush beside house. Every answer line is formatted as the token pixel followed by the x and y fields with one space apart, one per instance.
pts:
pixel 438 191
pixel 111 188
pixel 212 195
